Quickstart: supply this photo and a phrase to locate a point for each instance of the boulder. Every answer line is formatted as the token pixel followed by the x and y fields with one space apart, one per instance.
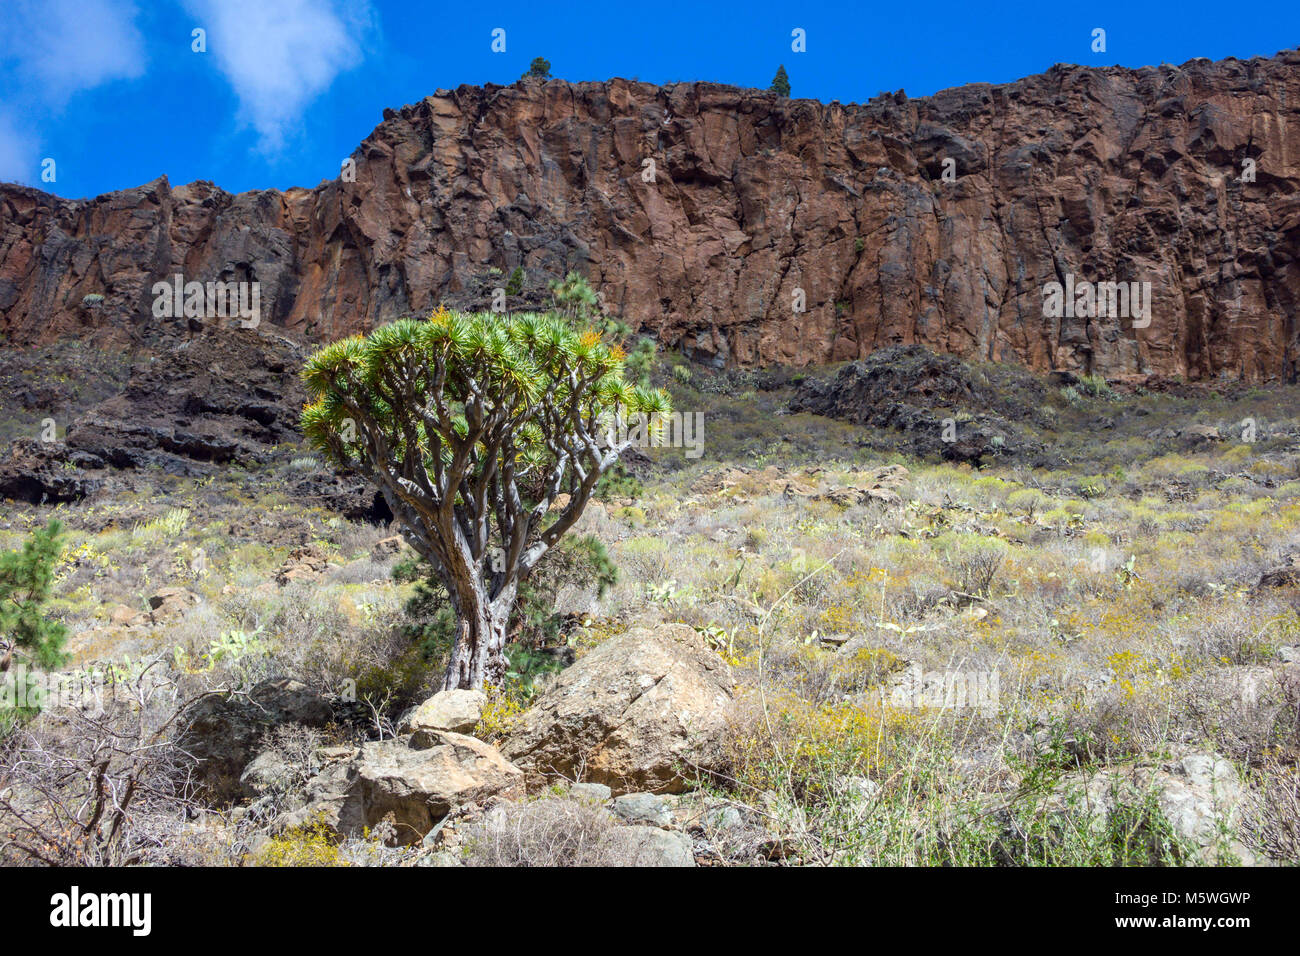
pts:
pixel 1200 794
pixel 908 392
pixel 455 710
pixel 268 772
pixel 408 785
pixel 650 846
pixel 170 603
pixel 36 472
pixel 224 731
pixel 590 792
pixel 651 809
pixel 1285 575
pixel 1201 433
pixel 645 711
pixel 122 616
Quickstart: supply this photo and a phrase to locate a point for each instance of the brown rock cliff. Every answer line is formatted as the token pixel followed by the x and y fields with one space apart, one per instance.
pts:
pixel 1110 174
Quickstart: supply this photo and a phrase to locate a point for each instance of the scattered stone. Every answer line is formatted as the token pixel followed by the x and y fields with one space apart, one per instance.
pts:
pixel 303 564
pixel 440 858
pixel 728 830
pixel 846 497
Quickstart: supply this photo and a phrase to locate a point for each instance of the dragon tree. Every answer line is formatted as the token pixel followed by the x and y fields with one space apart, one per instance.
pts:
pixel 474 426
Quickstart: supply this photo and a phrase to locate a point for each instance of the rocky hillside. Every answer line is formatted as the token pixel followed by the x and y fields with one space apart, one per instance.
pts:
pixel 1107 174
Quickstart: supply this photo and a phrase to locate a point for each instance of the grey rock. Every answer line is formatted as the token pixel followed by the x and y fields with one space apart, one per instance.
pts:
pixel 650 846
pixel 645 808
pixel 412 787
pixel 590 792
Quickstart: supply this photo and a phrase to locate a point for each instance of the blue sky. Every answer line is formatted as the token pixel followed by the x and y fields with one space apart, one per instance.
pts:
pixel 113 93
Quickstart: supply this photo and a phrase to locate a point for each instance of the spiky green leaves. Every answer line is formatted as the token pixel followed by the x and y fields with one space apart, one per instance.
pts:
pixel 421 382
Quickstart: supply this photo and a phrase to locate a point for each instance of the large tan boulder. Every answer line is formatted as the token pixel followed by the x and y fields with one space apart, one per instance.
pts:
pixel 455 710
pixel 407 784
pixel 645 711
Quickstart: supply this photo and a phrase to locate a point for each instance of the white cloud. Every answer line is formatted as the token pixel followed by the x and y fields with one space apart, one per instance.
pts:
pixel 280 56
pixel 18 162
pixel 61 46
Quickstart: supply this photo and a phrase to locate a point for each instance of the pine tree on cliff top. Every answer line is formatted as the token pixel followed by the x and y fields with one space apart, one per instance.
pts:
pixel 780 83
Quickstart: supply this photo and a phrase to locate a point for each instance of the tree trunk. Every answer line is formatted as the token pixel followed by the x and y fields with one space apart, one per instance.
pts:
pixel 479 654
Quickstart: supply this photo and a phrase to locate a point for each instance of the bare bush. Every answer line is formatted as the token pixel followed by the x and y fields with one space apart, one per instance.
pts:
pixel 974 574
pixel 288 759
pixel 101 785
pixel 1272 821
pixel 361 571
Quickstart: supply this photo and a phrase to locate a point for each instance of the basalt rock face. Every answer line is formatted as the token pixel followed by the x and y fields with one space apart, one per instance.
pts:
pixel 211 398
pixel 935 404
pixel 1107 174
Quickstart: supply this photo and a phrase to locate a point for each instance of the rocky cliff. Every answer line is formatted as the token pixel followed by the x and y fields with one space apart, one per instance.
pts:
pixel 1096 174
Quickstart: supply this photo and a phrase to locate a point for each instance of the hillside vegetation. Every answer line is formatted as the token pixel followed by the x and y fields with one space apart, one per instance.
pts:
pixel 1076 646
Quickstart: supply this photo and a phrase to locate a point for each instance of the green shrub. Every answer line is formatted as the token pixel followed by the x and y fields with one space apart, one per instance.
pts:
pixel 1097 386
pixel 26 577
